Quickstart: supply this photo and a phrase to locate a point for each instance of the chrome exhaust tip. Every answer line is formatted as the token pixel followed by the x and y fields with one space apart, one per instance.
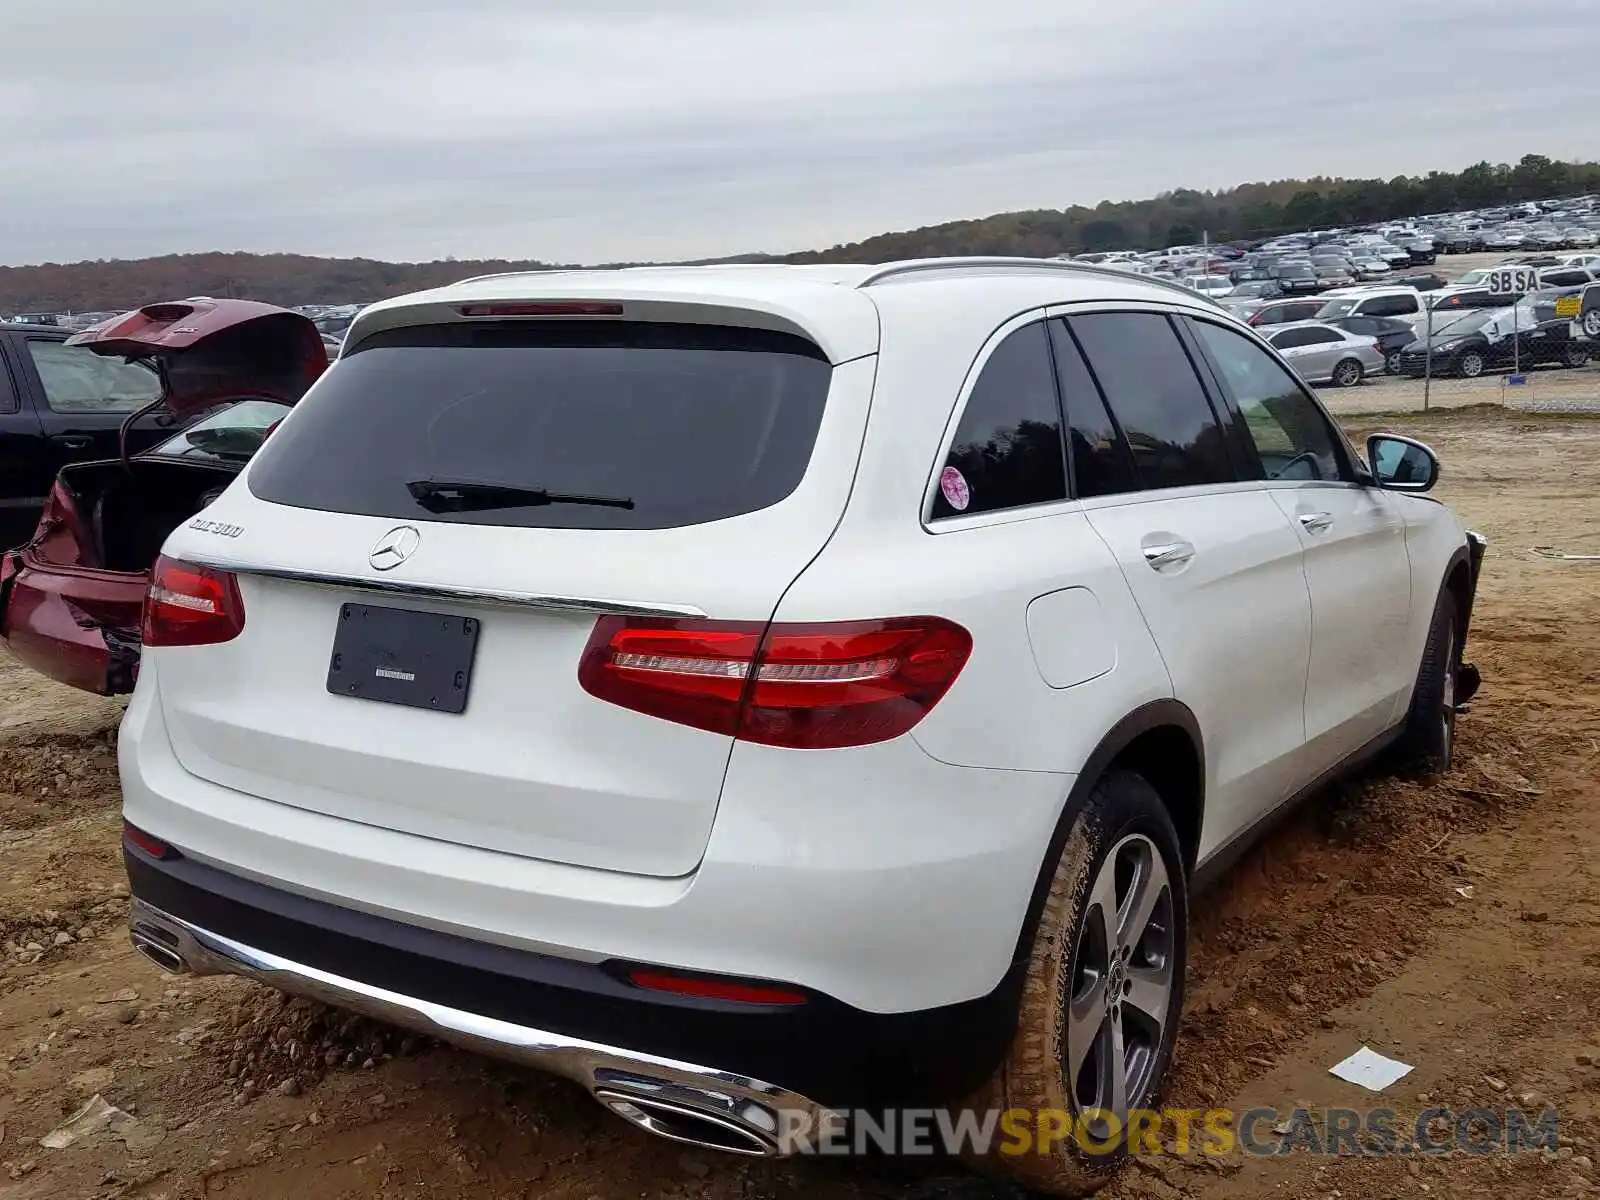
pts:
pixel 165 957
pixel 680 1123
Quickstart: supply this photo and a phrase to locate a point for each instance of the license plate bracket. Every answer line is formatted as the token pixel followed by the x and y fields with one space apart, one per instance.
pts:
pixel 401 656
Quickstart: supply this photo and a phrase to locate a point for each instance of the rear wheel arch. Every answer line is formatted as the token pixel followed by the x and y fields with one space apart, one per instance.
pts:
pixel 1160 741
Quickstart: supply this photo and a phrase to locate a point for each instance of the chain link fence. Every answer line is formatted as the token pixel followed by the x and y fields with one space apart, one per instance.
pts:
pixel 1544 389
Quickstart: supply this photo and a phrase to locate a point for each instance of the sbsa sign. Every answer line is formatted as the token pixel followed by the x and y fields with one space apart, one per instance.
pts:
pixel 1512 281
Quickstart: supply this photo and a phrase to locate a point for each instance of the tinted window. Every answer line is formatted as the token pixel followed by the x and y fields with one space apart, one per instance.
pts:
pixel 1290 338
pixel 1389 306
pixel 1564 278
pixel 1100 462
pixel 689 423
pixel 1007 449
pixel 1156 397
pixel 1289 433
pixel 77 380
pixel 8 397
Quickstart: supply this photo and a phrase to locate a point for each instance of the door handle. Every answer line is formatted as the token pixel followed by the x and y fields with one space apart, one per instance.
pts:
pixel 72 441
pixel 1316 522
pixel 1168 554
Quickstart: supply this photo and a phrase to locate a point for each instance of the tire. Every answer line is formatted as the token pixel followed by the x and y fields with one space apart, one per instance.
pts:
pixel 1574 356
pixel 1429 741
pixel 1391 363
pixel 1122 837
pixel 1591 323
pixel 1470 365
pixel 1347 373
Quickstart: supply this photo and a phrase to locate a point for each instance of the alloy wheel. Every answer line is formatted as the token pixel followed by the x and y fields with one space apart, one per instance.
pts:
pixel 1391 364
pixel 1472 365
pixel 1591 322
pixel 1122 980
pixel 1347 374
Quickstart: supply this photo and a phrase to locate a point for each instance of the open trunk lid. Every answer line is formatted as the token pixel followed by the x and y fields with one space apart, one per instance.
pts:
pixel 209 351
pixel 735 450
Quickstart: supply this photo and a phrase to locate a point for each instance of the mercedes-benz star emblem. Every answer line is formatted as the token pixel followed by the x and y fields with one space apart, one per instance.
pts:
pixel 394 547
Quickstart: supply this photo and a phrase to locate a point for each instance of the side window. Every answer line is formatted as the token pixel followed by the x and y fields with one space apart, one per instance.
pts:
pixel 1290 338
pixel 80 381
pixel 1390 306
pixel 8 395
pixel 1100 462
pixel 1007 449
pixel 1321 337
pixel 1156 397
pixel 1288 430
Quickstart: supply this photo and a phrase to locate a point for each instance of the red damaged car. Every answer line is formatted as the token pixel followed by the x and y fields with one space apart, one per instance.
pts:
pixel 71 599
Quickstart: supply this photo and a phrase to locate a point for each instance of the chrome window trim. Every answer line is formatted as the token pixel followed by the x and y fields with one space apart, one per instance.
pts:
pixel 494 597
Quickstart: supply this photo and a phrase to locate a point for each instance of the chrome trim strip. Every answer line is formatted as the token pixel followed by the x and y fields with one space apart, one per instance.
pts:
pixel 460 595
pixel 723 1098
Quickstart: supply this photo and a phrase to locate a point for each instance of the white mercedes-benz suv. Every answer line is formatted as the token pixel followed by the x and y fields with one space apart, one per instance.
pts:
pixel 759 690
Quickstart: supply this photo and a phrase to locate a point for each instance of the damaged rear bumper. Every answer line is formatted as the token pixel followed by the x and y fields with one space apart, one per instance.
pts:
pixel 79 627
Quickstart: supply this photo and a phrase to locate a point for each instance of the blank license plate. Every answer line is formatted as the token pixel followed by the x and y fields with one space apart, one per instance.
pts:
pixel 398 656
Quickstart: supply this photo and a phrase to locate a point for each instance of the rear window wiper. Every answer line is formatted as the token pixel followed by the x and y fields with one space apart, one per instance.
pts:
pixel 475 495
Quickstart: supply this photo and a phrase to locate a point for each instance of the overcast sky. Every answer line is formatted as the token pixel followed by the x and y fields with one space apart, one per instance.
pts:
pixel 599 130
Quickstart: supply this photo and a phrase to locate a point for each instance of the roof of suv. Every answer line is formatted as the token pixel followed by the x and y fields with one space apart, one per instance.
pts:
pixel 828 304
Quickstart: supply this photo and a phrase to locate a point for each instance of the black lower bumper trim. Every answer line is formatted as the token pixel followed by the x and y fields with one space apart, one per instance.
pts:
pixel 835 1053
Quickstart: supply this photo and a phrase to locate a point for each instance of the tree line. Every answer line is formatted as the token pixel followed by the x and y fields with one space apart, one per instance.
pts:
pixel 1249 211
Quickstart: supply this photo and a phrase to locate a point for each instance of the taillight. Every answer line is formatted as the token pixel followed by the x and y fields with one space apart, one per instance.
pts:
pixel 191 605
pixel 802 686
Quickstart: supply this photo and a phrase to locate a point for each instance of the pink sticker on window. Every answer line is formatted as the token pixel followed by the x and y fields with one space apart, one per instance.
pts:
pixel 954 486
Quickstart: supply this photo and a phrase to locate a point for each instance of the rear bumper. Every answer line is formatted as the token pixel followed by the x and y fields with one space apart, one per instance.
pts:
pixel 678 1100
pixel 582 1020
pixel 47 619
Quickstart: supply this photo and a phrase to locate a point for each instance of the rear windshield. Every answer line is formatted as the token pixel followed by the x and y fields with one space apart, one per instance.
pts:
pixel 688 423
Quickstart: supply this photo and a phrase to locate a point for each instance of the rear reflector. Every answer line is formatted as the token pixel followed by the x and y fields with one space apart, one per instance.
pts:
pixel 556 308
pixel 191 605
pixel 140 840
pixel 714 989
pixel 802 686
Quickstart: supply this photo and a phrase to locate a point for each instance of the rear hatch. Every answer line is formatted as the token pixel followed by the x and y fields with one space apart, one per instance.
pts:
pixel 211 351
pixel 504 482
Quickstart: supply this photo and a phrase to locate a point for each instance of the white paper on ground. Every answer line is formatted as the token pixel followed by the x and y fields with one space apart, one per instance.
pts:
pixel 1370 1070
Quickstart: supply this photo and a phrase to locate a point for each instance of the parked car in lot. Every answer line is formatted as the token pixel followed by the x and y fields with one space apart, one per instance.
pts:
pixel 1371 302
pixel 1296 277
pixel 1323 353
pixel 71 599
pixel 564 721
pixel 62 404
pixel 1280 312
pixel 1485 340
pixel 1392 334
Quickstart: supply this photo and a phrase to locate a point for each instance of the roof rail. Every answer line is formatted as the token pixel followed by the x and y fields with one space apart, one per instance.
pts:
pixel 982 262
pixel 513 274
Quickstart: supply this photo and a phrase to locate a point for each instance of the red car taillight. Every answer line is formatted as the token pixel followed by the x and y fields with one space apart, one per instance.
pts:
pixel 191 605
pixel 802 686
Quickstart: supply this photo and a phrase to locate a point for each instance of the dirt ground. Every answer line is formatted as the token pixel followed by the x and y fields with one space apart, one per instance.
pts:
pixel 1454 925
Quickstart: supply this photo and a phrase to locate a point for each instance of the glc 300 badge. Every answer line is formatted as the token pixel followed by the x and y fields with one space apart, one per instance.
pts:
pixel 220 528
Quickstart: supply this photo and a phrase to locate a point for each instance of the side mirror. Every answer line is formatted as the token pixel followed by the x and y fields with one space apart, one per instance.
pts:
pixel 1402 464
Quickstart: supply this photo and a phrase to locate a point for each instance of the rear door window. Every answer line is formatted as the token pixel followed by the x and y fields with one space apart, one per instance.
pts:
pixel 1101 464
pixel 77 380
pixel 586 425
pixel 1007 449
pixel 1156 397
